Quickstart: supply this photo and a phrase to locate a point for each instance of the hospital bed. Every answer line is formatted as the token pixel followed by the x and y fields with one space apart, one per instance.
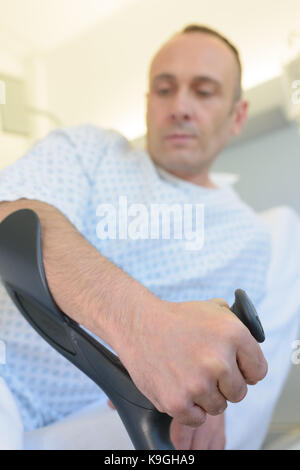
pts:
pixel 79 431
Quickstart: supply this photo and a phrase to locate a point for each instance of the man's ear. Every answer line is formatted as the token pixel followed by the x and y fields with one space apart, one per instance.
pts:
pixel 240 115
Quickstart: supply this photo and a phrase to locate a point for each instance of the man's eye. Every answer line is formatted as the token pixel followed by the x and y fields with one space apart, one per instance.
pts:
pixel 163 91
pixel 204 93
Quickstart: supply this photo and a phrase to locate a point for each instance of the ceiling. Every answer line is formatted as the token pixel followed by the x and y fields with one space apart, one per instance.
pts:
pixel 40 25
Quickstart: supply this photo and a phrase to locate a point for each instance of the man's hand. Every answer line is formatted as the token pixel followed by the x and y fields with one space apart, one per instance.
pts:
pixel 190 358
pixel 209 436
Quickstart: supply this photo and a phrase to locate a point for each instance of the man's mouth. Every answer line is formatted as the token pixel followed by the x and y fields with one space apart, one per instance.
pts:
pixel 180 137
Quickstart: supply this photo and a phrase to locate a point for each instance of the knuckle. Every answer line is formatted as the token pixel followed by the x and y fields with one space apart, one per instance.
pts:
pixel 239 332
pixel 212 368
pixel 195 422
pixel 224 371
pixel 236 330
pixel 263 369
pixel 230 329
pixel 239 393
pixel 217 411
pixel 201 389
pixel 181 409
pixel 221 302
pixel 195 418
pixel 176 407
pixel 218 406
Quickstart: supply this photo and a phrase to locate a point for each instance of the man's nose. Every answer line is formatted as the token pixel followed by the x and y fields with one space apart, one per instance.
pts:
pixel 181 107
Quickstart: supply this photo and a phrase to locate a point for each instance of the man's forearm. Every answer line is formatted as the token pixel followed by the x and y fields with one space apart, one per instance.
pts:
pixel 85 285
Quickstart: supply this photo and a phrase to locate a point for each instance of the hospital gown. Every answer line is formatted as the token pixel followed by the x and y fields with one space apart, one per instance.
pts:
pixel 82 168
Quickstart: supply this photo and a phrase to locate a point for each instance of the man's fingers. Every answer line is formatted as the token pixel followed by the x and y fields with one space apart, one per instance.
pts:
pixel 250 358
pixel 212 400
pixel 232 384
pixel 251 362
pixel 211 435
pixel 181 435
pixel 217 442
pixel 195 417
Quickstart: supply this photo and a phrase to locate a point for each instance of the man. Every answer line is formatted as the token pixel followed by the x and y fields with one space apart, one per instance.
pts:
pixel 189 355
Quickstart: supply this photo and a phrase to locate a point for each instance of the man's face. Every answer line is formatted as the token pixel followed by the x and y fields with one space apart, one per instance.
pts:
pixel 192 82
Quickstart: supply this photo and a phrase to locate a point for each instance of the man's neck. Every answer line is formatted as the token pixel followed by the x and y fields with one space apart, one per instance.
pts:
pixel 200 179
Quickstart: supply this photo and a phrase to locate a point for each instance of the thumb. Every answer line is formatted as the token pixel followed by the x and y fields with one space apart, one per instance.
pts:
pixel 111 405
pixel 220 302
